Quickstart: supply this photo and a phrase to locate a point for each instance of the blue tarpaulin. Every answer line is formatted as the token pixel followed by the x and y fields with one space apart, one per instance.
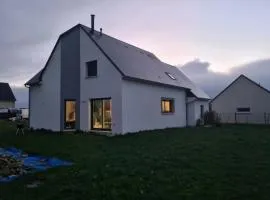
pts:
pixel 34 162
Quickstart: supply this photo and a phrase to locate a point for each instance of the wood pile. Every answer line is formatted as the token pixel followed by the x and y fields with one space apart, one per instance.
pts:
pixel 10 166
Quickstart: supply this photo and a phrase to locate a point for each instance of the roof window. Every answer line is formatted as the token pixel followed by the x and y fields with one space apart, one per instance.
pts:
pixel 170 75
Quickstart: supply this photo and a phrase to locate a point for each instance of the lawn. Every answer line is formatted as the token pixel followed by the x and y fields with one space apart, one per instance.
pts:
pixel 231 162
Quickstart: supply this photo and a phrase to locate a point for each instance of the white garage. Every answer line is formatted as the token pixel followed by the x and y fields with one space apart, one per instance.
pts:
pixel 243 101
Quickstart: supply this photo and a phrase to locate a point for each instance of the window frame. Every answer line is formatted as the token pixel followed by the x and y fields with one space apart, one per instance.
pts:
pixel 172 105
pixel 171 76
pixel 65 112
pixel 87 67
pixel 91 113
pixel 243 110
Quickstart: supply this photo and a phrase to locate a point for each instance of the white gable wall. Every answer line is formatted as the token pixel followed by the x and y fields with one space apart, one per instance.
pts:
pixel 45 99
pixel 106 84
pixel 243 93
pixel 194 110
pixel 141 107
pixel 191 113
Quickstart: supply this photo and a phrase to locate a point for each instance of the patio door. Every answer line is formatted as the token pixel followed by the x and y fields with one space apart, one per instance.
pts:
pixel 101 114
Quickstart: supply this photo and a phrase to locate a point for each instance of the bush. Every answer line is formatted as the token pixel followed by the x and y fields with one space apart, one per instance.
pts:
pixel 198 122
pixel 211 118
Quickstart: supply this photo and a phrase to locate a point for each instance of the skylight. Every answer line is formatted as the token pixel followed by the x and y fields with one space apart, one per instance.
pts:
pixel 170 75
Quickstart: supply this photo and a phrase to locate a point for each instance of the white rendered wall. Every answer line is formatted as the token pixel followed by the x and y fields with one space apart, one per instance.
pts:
pixel 106 84
pixel 142 107
pixel 243 93
pixel 194 110
pixel 45 99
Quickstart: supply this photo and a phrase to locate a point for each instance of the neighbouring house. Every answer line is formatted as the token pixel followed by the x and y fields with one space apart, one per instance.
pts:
pixel 7 98
pixel 243 101
pixel 93 81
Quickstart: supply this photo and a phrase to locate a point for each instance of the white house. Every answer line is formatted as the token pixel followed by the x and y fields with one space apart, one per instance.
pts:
pixel 93 81
pixel 243 101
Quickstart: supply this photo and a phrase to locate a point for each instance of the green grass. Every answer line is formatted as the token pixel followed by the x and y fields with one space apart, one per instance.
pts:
pixel 231 162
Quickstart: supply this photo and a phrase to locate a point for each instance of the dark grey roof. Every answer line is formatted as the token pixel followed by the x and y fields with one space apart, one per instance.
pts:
pixel 134 63
pixel 6 93
pixel 35 79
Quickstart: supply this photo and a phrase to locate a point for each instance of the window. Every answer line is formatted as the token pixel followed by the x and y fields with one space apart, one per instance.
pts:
pixel 70 114
pixel 101 114
pixel 243 109
pixel 167 105
pixel 91 68
pixel 170 75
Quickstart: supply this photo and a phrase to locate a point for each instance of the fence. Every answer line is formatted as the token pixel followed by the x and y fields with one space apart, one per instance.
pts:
pixel 245 118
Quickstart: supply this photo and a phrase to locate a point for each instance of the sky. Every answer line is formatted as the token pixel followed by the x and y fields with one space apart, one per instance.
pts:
pixel 212 41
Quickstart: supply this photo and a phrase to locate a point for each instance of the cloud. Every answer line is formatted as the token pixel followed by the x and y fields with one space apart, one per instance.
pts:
pixel 30 28
pixel 214 82
pixel 196 67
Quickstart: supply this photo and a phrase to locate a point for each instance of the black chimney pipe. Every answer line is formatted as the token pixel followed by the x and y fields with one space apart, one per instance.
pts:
pixel 100 33
pixel 92 23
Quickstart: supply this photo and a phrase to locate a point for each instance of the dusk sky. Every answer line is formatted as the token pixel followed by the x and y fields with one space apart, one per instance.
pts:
pixel 212 41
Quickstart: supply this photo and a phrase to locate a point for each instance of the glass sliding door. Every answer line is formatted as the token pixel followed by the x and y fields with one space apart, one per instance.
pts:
pixel 96 114
pixel 107 120
pixel 70 114
pixel 101 114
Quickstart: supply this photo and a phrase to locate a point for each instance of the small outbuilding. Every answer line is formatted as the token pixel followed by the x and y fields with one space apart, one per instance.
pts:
pixel 243 101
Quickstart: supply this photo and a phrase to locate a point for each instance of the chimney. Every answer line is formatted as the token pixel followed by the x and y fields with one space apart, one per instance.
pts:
pixel 92 23
pixel 100 32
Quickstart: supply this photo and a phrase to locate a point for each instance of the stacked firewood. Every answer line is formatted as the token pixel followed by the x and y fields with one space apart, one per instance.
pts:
pixel 10 166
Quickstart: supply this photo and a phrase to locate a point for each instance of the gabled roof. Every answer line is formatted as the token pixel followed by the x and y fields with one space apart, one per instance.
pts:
pixel 241 76
pixel 6 93
pixel 136 64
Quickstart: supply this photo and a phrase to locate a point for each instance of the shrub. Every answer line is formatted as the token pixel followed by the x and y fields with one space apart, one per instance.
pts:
pixel 198 122
pixel 211 118
pixel 78 131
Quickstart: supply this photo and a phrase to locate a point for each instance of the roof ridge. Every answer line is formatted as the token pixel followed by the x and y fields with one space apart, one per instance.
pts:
pixel 254 82
pixel 132 62
pixel 234 81
pixel 139 48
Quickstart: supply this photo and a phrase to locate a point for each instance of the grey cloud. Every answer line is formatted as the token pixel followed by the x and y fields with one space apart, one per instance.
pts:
pixel 196 67
pixel 30 28
pixel 214 82
pixel 28 31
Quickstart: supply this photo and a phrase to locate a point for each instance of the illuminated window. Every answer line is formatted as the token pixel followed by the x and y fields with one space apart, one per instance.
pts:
pixel 70 114
pixel 101 114
pixel 170 75
pixel 167 105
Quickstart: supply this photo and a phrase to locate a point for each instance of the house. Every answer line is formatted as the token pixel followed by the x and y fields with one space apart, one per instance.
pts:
pixel 7 98
pixel 243 101
pixel 93 81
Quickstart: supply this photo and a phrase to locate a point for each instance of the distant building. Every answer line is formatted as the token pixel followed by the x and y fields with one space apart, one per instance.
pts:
pixel 243 101
pixel 7 98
